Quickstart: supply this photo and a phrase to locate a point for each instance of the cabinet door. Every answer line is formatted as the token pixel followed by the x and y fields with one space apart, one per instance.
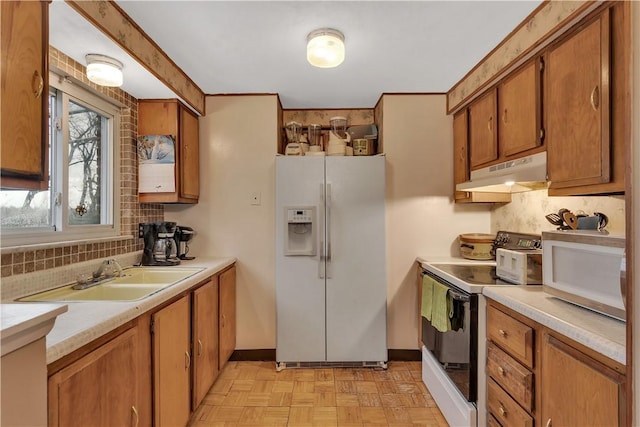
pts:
pixel 25 88
pixel 189 165
pixel 460 154
pixel 227 315
pixel 519 109
pixel 483 140
pixel 577 390
pixel 172 364
pixel 577 107
pixel 205 339
pixel 100 389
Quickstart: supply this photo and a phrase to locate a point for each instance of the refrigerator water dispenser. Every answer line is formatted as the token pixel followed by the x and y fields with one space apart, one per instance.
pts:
pixel 300 231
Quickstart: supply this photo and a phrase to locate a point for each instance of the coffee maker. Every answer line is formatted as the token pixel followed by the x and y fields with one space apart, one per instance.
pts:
pixel 159 243
pixel 183 236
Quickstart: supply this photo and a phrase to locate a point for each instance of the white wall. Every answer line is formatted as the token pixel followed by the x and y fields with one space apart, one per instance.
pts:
pixel 421 216
pixel 238 139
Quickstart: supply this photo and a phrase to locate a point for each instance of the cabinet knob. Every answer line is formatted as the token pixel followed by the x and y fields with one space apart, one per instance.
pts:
pixel 136 418
pixel 37 84
pixel 199 348
pixel 548 423
pixel 502 411
pixel 502 332
pixel 500 370
pixel 490 124
pixel 504 116
pixel 187 360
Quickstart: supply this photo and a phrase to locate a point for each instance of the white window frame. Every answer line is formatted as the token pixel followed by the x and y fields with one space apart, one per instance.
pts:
pixel 63 232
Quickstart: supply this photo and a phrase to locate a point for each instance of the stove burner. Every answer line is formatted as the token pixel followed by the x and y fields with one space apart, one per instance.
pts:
pixel 475 274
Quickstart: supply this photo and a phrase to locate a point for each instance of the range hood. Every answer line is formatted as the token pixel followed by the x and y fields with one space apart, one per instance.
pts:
pixel 513 176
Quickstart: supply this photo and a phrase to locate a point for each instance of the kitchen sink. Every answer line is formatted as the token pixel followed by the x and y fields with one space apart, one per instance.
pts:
pixel 135 283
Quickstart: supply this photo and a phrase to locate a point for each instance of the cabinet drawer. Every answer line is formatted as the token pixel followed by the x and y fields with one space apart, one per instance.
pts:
pixel 511 375
pixel 510 334
pixel 492 422
pixel 505 409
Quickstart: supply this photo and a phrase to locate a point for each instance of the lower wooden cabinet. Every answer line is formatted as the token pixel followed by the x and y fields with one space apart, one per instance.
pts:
pixel 205 339
pixel 578 390
pixel 536 376
pixel 227 316
pixel 171 328
pixel 99 389
pixel 156 372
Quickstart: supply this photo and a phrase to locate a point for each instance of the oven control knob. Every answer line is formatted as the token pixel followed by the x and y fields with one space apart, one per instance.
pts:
pixel 537 244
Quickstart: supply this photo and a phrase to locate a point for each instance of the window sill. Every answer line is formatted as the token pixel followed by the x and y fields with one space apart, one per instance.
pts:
pixel 49 245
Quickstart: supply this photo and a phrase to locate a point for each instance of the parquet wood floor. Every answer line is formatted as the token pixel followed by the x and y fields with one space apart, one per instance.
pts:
pixel 254 394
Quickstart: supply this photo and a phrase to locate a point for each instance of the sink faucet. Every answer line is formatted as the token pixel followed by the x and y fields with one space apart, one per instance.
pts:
pixel 103 274
pixel 108 263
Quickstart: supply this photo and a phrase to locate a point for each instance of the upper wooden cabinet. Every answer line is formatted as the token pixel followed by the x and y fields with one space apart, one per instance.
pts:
pixel 25 86
pixel 588 107
pixel 506 122
pixel 171 117
pixel 461 165
pixel 519 108
pixel 578 107
pixel 483 130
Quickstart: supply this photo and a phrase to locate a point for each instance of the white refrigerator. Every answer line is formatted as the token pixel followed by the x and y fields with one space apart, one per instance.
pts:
pixel 331 288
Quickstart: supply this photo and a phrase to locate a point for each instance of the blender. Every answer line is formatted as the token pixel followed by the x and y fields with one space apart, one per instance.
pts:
pixel 314 136
pixel 294 132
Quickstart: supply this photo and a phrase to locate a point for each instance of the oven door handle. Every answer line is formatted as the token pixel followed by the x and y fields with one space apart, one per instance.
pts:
pixel 458 296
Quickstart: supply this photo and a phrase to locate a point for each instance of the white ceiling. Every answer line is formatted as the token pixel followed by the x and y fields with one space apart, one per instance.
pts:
pixel 259 46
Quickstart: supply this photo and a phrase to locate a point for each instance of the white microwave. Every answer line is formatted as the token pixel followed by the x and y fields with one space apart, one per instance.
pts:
pixel 584 268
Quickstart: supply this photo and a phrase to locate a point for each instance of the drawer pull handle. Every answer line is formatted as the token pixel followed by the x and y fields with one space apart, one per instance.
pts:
pixel 500 370
pixel 199 348
pixel 187 360
pixel 502 411
pixel 502 332
pixel 548 423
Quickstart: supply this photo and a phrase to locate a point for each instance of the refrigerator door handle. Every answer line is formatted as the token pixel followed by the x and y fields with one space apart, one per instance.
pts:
pixel 328 221
pixel 322 258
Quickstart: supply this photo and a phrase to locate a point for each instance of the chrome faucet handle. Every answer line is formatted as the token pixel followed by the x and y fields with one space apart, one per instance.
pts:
pixel 106 268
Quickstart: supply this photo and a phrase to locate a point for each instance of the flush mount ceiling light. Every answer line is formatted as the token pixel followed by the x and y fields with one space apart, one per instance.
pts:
pixel 325 48
pixel 104 70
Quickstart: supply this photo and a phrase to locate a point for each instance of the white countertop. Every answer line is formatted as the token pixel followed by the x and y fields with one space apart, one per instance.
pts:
pixel 22 324
pixel 596 331
pixel 85 321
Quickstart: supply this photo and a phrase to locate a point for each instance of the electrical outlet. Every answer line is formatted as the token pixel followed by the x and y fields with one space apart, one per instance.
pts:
pixel 255 199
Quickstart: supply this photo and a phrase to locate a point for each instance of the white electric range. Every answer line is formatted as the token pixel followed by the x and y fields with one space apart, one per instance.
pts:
pixel 453 361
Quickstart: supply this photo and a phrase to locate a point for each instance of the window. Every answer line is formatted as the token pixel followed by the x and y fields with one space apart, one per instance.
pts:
pixel 81 201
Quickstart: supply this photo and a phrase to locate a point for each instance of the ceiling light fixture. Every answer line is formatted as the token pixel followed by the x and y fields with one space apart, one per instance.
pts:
pixel 325 48
pixel 104 70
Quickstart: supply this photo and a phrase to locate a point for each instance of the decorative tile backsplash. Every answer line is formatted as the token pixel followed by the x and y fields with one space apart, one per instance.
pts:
pixel 17 261
pixel 526 212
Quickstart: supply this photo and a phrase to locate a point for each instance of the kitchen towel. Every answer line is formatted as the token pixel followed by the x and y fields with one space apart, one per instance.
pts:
pixel 441 307
pixel 427 297
pixel 457 314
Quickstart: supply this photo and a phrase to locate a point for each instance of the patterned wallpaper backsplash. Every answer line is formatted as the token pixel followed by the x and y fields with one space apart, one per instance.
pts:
pixel 526 212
